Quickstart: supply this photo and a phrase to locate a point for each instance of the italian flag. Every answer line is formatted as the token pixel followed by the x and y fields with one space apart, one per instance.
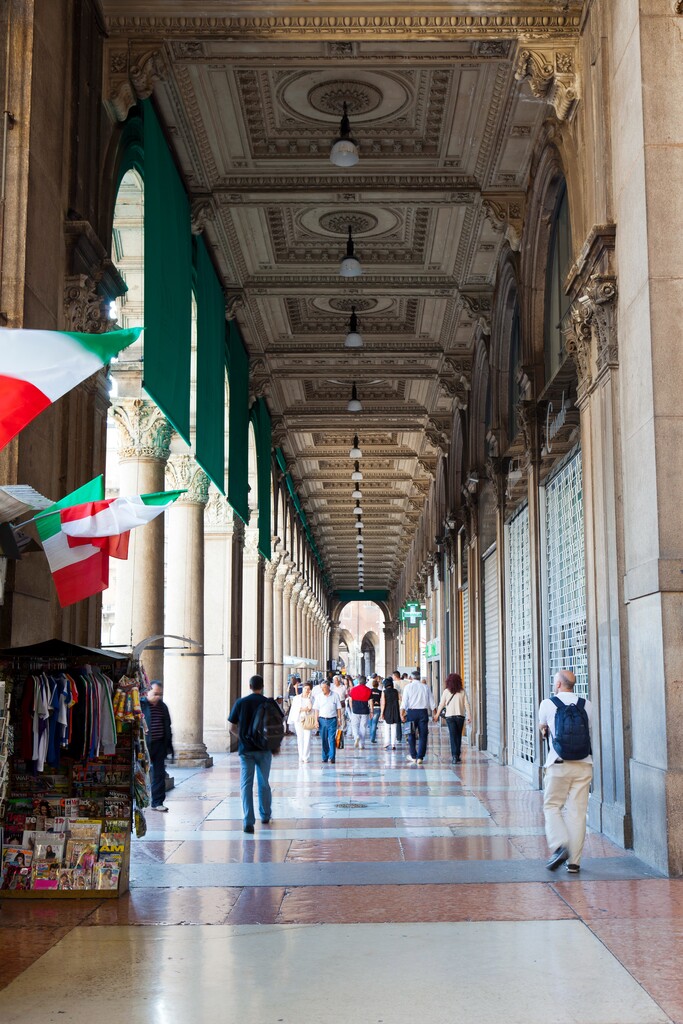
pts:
pixel 38 367
pixel 78 572
pixel 81 532
pixel 107 524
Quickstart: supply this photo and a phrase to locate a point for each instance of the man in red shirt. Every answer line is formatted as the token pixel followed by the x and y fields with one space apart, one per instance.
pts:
pixel 360 699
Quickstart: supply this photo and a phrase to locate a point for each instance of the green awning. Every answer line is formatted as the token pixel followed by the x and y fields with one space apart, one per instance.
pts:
pixel 362 595
pixel 264 442
pixel 238 441
pixel 211 328
pixel 168 280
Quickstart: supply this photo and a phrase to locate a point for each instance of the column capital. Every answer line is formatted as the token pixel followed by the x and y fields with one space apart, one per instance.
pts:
pixel 391 629
pixel 238 530
pixel 218 512
pixel 551 73
pixel 144 431
pixel 183 473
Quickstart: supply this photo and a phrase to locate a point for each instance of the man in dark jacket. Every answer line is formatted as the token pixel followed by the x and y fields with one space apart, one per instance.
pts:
pixel 159 740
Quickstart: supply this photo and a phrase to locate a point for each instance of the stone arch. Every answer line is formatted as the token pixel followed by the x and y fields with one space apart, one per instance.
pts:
pixel 480 394
pixel 506 300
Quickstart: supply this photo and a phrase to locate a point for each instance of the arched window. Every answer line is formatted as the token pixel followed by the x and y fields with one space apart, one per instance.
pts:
pixel 556 301
pixel 514 390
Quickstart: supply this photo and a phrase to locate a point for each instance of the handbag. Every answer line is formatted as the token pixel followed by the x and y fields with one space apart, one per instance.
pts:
pixel 308 720
pixel 339 739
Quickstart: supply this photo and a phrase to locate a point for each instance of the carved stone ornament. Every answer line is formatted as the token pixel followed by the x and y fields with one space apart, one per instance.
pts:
pixel 202 211
pixel 259 379
pixel 678 6
pixel 218 512
pixel 233 303
pixel 528 420
pixel 251 552
pixel 507 216
pixel 183 473
pixel 84 309
pixel 437 437
pixel 391 629
pixel 496 474
pixel 551 74
pixel 129 84
pixel 144 431
pixel 578 340
pixel 238 529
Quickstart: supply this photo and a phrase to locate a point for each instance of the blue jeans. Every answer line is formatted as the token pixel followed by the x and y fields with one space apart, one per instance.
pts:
pixel 419 723
pixel 259 760
pixel 374 721
pixel 328 735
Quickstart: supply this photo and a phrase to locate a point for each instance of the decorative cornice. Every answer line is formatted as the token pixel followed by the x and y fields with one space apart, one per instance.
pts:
pixel 552 76
pixel 183 473
pixel 303 24
pixel 202 211
pixel 130 77
pixel 592 331
pixel 144 432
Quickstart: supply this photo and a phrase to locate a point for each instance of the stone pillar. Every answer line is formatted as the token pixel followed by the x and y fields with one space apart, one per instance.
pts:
pixel 391 656
pixel 217 616
pixel 184 669
pixel 295 618
pixel 269 574
pixel 287 618
pixel 237 554
pixel 334 641
pixel 250 606
pixel 144 447
pixel 300 641
pixel 278 630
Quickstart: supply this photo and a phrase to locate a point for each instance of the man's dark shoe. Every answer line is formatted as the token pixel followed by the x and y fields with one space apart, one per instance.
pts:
pixel 249 829
pixel 573 869
pixel 265 821
pixel 559 857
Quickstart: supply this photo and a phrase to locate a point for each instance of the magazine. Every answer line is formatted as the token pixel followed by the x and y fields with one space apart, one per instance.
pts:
pixel 80 853
pixel 81 878
pixel 20 856
pixel 15 877
pixel 85 828
pixel 117 805
pixel 71 807
pixel 45 875
pixel 13 835
pixel 50 850
pixel 106 875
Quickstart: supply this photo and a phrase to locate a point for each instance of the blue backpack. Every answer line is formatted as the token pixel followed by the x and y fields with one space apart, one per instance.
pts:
pixel 572 740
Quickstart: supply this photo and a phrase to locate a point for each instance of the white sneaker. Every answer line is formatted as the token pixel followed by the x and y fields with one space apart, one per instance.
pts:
pixel 419 760
pixel 356 743
pixel 160 807
pixel 411 759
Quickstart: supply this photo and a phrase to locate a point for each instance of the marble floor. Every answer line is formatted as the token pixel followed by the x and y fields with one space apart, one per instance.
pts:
pixel 436 872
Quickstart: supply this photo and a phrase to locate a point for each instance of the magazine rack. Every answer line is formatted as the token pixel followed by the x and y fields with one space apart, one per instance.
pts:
pixel 62 789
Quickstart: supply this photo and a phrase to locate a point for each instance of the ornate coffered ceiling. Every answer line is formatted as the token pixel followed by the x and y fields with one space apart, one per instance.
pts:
pixel 446 106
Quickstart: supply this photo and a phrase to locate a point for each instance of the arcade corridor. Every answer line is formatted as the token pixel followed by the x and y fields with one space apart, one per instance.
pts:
pixel 358 859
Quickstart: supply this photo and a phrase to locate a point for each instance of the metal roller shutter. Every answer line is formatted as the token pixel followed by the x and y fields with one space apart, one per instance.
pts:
pixel 520 659
pixel 491 659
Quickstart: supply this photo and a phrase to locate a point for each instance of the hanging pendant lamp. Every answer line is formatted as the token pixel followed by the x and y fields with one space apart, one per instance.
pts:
pixel 350 267
pixel 354 403
pixel 356 475
pixel 355 452
pixel 353 338
pixel 344 152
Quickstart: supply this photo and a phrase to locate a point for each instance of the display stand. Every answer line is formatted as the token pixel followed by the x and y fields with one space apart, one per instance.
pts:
pixel 74 812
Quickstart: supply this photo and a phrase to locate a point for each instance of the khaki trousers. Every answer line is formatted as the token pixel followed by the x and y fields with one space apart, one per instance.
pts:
pixel 566 789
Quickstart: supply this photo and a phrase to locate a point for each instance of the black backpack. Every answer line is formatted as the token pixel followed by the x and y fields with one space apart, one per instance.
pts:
pixel 267 728
pixel 572 740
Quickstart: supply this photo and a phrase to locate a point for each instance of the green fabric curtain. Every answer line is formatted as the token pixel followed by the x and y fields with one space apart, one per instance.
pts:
pixel 238 419
pixel 168 280
pixel 264 442
pixel 210 436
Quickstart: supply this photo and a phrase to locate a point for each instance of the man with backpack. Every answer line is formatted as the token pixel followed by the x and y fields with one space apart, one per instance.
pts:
pixel 565 721
pixel 259 725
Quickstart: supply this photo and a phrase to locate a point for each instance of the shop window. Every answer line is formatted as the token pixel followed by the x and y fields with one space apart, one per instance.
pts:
pixel 556 301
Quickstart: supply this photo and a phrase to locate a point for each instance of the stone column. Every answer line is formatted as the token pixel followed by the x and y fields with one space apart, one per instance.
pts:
pixel 295 618
pixel 299 619
pixel 334 641
pixel 269 574
pixel 391 657
pixel 184 669
pixel 217 616
pixel 278 632
pixel 250 606
pixel 236 575
pixel 287 618
pixel 144 447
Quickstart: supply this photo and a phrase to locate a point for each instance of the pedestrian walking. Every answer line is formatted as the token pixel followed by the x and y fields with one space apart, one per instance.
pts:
pixel 457 706
pixel 416 704
pixel 159 741
pixel 328 709
pixel 360 699
pixel 376 692
pixel 390 712
pixel 300 712
pixel 252 759
pixel 565 720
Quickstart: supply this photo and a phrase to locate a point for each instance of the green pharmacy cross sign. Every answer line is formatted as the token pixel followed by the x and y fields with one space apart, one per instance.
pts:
pixel 412 613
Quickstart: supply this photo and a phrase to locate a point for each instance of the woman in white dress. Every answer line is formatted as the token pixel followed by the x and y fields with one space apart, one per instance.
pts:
pixel 301 704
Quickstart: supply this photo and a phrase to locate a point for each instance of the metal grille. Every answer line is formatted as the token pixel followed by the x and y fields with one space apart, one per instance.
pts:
pixel 566 577
pixel 466 639
pixel 491 666
pixel 520 660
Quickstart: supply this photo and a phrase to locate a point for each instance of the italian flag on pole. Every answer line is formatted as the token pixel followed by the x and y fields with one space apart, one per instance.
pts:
pixel 38 367
pixel 81 531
